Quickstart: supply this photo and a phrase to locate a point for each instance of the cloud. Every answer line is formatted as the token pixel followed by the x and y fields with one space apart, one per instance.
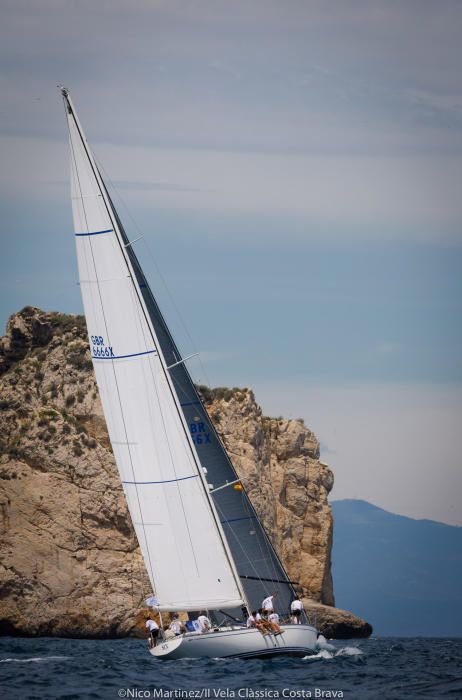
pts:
pixel 396 445
pixel 332 77
pixel 409 198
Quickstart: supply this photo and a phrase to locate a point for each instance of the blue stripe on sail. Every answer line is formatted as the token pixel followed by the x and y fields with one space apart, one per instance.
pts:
pixel 167 481
pixel 95 233
pixel 122 357
pixel 234 520
pixel 190 403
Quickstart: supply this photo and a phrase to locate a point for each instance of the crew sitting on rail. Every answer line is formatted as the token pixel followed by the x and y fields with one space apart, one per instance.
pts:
pixel 273 621
pixel 255 620
pixel 262 623
pixel 251 622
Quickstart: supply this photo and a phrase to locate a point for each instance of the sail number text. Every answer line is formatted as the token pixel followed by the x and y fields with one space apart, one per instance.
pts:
pixel 199 434
pixel 99 348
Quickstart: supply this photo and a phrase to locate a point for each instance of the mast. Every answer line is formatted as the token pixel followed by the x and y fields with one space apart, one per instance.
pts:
pixel 140 401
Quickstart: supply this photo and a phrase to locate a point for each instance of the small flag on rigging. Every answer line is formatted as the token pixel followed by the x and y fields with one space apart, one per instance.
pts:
pixel 151 602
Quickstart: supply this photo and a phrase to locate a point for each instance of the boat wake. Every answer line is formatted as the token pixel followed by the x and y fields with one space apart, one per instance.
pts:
pixel 322 643
pixel 328 654
pixel 34 659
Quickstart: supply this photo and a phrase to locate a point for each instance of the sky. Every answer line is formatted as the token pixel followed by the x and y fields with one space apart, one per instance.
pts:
pixel 295 169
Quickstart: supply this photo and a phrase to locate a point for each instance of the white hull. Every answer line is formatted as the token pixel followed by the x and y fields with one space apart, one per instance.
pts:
pixel 297 640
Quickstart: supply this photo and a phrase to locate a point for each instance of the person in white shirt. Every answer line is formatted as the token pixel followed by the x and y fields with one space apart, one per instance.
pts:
pixel 256 620
pixel 296 609
pixel 251 621
pixel 176 625
pixel 273 621
pixel 268 603
pixel 153 631
pixel 168 633
pixel 204 623
pixel 261 622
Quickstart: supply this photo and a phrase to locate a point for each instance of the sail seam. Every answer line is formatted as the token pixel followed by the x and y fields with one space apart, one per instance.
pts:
pixel 166 481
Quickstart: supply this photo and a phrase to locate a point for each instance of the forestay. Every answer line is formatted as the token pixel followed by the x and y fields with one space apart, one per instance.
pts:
pixel 182 542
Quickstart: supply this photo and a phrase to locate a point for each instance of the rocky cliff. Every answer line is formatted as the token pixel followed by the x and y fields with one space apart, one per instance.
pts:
pixel 70 563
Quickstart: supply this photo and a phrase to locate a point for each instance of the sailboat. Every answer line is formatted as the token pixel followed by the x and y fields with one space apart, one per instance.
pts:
pixel 203 545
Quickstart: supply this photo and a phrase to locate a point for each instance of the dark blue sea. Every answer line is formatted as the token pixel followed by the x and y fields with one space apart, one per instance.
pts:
pixel 385 668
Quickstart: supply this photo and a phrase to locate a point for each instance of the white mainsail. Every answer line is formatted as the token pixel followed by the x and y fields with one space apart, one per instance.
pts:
pixel 180 536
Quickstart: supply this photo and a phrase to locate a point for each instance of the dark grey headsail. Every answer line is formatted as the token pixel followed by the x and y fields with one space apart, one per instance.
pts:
pixel 257 563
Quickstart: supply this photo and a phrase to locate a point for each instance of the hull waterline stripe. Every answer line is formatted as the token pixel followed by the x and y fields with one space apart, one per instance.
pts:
pixel 122 357
pixel 95 233
pixel 290 651
pixel 167 481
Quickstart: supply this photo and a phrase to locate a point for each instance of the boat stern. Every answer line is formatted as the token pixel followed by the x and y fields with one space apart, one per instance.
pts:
pixel 165 647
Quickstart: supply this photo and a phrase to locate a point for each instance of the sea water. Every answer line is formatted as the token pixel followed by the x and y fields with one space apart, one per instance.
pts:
pixel 385 668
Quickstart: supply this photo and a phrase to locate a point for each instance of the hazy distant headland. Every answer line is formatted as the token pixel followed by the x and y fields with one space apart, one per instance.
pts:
pixel 70 563
pixel 403 574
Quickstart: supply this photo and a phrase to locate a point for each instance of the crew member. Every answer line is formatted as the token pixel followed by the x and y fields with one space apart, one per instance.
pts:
pixel 268 603
pixel 273 621
pixel 153 631
pixel 177 626
pixel 204 622
pixel 296 609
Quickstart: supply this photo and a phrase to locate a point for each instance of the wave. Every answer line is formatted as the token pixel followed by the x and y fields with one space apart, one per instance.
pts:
pixel 328 653
pixel 349 651
pixel 322 643
pixel 323 654
pixel 34 659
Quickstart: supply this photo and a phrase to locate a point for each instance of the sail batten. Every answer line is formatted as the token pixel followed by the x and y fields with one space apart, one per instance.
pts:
pixel 165 481
pixel 94 233
pixel 184 554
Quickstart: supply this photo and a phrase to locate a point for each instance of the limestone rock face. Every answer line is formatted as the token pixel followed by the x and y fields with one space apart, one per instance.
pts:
pixel 69 560
pixel 335 623
pixel 69 563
